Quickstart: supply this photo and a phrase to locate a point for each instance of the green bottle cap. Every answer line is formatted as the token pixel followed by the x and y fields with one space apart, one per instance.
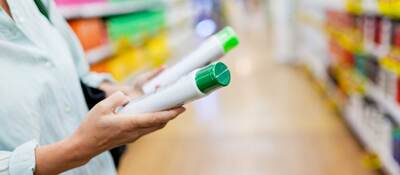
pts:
pixel 229 38
pixel 212 77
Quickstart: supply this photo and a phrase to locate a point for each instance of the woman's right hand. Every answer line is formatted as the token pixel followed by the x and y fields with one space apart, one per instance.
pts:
pixel 101 130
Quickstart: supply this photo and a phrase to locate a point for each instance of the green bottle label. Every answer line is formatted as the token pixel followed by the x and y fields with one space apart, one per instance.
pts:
pixel 212 77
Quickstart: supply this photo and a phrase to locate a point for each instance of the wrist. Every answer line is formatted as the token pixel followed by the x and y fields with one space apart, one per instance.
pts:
pixel 78 151
pixel 61 156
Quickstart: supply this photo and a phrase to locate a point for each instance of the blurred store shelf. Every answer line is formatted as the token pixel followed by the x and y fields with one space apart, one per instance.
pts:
pixel 368 100
pixel 374 143
pixel 176 21
pixel 389 105
pixel 107 9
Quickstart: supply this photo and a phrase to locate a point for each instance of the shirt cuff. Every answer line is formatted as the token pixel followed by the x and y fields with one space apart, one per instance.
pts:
pixel 23 160
pixel 95 79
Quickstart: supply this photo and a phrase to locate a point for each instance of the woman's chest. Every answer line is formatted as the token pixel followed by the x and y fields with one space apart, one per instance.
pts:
pixel 33 78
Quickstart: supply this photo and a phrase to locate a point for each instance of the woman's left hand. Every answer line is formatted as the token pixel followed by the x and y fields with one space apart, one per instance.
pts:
pixel 134 90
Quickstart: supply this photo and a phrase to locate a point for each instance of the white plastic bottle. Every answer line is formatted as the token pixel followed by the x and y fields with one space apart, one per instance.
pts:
pixel 197 84
pixel 211 50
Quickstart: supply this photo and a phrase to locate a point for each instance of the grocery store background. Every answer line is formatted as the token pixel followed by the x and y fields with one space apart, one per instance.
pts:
pixel 315 83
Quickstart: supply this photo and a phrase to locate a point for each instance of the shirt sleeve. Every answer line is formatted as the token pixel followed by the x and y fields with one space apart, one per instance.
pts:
pixel 21 161
pixel 89 78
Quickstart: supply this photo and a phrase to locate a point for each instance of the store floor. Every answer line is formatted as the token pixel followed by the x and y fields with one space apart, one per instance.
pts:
pixel 271 120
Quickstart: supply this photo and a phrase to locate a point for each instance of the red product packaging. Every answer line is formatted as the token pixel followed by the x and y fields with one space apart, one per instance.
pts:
pixel 396 34
pixel 378 31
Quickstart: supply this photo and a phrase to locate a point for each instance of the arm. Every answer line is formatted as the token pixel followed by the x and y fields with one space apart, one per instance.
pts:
pixel 62 156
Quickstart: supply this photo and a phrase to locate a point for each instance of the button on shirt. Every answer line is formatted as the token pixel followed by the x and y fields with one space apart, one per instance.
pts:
pixel 41 64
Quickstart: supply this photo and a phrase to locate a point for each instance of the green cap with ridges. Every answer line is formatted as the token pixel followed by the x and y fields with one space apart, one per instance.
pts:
pixel 229 38
pixel 212 77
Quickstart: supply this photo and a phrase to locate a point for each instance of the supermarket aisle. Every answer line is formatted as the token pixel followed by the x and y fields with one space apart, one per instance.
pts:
pixel 269 121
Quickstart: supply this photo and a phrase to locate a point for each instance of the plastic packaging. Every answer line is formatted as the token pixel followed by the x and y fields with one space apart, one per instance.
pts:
pixel 212 49
pixel 197 84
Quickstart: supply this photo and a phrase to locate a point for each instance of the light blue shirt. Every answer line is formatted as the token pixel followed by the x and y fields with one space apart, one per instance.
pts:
pixel 41 97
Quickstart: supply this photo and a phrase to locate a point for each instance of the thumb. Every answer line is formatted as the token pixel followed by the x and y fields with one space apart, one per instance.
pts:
pixel 116 100
pixel 152 74
pixel 156 72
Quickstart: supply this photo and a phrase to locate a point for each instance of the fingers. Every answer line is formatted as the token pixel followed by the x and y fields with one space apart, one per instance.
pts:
pixel 153 119
pixel 158 117
pixel 116 100
pixel 154 73
pixel 145 131
pixel 152 129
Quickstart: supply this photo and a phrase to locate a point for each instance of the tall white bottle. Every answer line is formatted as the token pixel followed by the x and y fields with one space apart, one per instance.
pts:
pixel 197 84
pixel 209 51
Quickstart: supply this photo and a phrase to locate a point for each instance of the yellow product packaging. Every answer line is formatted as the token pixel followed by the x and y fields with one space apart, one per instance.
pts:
pixel 354 6
pixel 396 8
pixel 122 63
pixel 389 7
pixel 157 49
pixel 391 62
pixel 117 68
pixel 135 60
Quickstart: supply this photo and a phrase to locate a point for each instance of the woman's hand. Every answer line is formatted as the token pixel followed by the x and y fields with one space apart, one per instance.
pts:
pixel 100 131
pixel 134 90
pixel 103 129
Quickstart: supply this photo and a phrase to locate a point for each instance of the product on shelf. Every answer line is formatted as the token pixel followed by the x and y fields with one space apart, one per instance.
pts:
pixel 377 34
pixel 210 50
pixel 128 62
pixel 354 6
pixel 389 8
pixel 91 32
pixel 396 34
pixel 377 37
pixel 135 27
pixel 197 84
pixel 372 69
pixel 396 144
pixel 100 67
pixel 369 32
pixel 158 52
